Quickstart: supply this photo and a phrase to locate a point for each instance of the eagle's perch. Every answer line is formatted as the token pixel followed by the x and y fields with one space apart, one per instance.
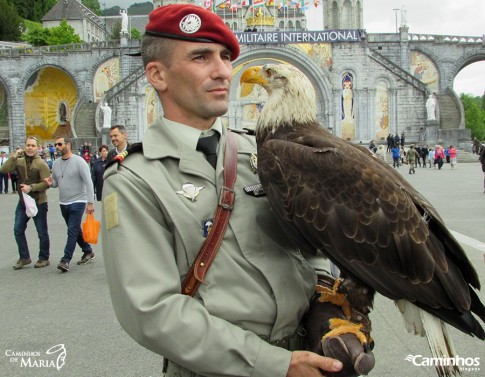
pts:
pixel 335 197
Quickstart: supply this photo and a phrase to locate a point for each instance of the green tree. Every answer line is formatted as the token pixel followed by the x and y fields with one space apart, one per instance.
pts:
pixel 93 5
pixel 135 34
pixel 58 35
pixel 63 34
pixel 474 115
pixel 10 22
pixel 115 32
pixel 36 35
pixel 113 11
pixel 140 8
pixel 33 10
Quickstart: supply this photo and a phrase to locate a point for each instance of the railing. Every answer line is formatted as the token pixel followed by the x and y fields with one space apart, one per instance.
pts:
pixel 73 47
pixel 446 38
pixel 123 84
pixel 398 71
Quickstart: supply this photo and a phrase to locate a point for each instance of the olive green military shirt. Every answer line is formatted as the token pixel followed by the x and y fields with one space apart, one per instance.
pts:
pixel 258 287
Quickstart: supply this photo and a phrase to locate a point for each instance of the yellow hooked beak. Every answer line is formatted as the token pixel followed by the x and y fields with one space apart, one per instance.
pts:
pixel 251 76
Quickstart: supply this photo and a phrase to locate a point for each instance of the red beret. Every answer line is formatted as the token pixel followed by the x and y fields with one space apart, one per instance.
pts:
pixel 191 23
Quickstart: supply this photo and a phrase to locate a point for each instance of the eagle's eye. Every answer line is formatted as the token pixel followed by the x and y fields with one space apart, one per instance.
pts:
pixel 269 73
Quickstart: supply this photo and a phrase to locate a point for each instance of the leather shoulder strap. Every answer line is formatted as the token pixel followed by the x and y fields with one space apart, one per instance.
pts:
pixel 227 198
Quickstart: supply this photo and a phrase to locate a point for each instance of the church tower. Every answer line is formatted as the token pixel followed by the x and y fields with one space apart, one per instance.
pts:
pixel 241 15
pixel 343 14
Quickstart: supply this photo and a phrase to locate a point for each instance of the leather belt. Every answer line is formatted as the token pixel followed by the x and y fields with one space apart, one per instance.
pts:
pixel 227 197
pixel 292 342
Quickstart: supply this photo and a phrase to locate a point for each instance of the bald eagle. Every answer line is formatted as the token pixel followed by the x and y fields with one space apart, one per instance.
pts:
pixel 382 234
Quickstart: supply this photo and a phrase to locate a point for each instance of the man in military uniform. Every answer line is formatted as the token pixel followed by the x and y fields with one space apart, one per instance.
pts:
pixel 157 205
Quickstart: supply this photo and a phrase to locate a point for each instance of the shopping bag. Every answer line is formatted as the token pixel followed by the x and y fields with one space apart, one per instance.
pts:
pixel 91 229
pixel 30 206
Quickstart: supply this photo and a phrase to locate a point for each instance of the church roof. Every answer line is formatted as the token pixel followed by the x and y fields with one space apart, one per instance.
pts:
pixel 70 10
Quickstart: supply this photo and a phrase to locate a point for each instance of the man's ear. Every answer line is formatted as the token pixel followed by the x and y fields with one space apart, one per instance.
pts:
pixel 156 74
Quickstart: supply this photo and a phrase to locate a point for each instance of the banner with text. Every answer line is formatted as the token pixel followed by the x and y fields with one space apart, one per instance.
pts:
pixel 283 37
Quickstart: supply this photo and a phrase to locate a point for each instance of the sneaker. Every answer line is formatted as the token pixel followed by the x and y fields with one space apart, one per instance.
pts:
pixel 87 257
pixel 63 266
pixel 21 263
pixel 42 263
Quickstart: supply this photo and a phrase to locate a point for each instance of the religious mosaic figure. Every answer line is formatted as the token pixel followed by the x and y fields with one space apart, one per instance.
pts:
pixel 348 125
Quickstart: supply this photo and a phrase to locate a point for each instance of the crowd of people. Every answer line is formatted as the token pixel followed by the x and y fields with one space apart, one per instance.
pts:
pixel 95 157
pixel 415 155
pixel 78 175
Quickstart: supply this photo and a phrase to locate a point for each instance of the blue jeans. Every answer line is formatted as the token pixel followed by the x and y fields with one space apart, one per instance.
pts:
pixel 40 221
pixel 3 182
pixel 73 215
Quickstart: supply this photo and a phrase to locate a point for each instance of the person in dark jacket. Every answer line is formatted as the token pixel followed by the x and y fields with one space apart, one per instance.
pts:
pixel 31 170
pixel 98 171
pixel 118 137
pixel 482 160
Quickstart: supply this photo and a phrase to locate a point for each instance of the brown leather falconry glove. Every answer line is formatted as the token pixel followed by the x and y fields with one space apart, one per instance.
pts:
pixel 345 338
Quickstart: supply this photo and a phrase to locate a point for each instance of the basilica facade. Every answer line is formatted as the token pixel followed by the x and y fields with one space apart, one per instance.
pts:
pixel 368 85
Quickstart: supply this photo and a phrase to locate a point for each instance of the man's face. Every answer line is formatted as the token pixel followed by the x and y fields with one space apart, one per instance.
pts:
pixel 31 147
pixel 61 146
pixel 197 82
pixel 118 139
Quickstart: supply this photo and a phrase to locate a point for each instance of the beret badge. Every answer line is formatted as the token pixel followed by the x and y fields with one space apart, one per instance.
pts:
pixel 190 24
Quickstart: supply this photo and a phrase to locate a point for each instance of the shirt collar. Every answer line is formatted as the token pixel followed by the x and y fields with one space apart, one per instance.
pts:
pixel 189 136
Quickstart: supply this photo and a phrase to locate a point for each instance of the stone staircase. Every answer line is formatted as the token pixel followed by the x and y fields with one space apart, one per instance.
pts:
pixel 85 120
pixel 449 110
pixel 85 126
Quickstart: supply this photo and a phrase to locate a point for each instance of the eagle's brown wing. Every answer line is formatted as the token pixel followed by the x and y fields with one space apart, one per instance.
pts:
pixel 372 224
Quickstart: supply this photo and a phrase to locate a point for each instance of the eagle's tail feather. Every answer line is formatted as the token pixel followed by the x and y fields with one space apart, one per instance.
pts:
pixel 440 344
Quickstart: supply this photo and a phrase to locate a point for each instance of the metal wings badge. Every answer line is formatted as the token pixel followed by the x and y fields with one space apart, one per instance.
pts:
pixel 254 162
pixel 190 191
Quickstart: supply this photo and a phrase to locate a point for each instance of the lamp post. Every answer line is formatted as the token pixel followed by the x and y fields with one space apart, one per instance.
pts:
pixel 395 12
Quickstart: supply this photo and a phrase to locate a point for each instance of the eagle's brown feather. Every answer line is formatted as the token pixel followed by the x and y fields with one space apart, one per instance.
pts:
pixel 336 197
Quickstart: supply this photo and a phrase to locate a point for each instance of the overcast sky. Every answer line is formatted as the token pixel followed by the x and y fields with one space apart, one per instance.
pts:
pixel 450 17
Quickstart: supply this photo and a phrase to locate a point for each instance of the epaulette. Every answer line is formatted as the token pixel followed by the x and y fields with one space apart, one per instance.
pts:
pixel 133 148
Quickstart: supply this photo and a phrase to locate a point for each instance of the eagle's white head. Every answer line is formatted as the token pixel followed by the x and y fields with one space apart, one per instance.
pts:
pixel 291 97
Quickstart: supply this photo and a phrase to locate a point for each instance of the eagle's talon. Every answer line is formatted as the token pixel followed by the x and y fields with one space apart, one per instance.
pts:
pixel 334 297
pixel 340 326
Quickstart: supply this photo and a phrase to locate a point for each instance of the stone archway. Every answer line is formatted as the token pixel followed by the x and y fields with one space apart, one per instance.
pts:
pixel 50 96
pixel 288 55
pixel 467 59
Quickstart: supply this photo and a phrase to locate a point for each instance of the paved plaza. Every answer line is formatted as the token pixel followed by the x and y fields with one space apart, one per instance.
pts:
pixel 42 309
